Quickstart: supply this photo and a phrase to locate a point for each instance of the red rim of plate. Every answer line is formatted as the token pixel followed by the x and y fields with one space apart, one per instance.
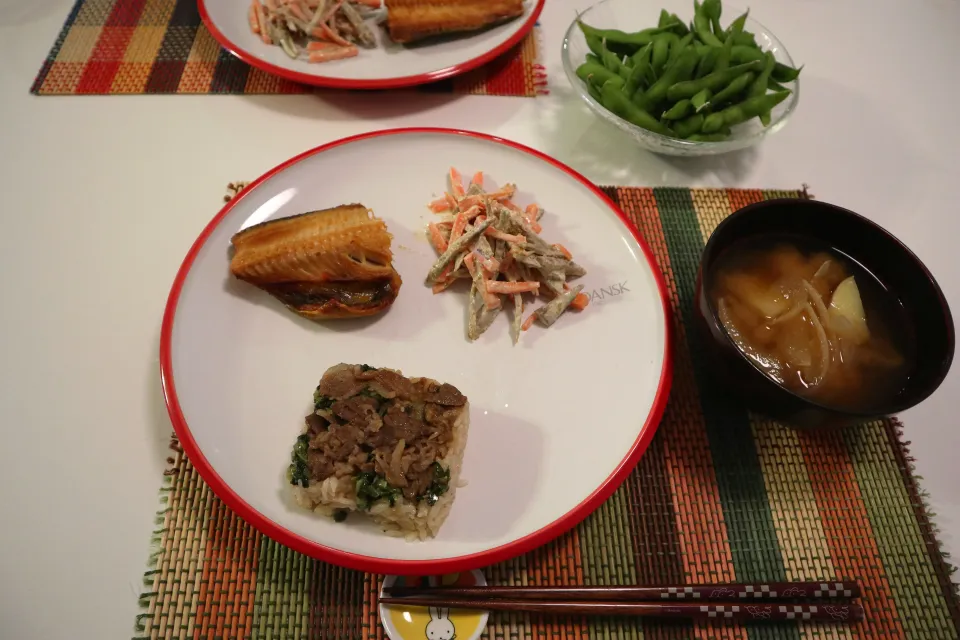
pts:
pixel 387 83
pixel 410 567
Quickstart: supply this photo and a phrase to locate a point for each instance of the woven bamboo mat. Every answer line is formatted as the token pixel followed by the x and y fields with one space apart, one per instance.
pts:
pixel 161 46
pixel 721 495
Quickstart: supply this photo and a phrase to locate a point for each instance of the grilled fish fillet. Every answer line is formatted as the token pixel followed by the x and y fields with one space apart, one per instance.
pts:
pixel 334 263
pixel 410 20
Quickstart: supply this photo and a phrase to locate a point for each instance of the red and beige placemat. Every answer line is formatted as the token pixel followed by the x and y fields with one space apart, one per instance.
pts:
pixel 161 46
pixel 721 495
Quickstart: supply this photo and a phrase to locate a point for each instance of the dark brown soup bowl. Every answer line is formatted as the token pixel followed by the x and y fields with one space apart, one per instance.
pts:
pixel 895 266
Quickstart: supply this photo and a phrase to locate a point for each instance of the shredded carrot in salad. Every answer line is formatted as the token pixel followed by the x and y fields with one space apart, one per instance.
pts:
pixel 483 237
pixel 316 30
pixel 436 237
pixel 440 205
pixel 580 302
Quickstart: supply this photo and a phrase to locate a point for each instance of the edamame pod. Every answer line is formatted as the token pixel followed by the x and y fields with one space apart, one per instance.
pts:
pixel 599 73
pixel 773 85
pixel 678 47
pixel 749 108
pixel 732 90
pixel 712 9
pixel 595 44
pixel 688 126
pixel 741 54
pixel 701 25
pixel 783 73
pixel 678 111
pixel 759 86
pixel 707 61
pixel 736 27
pixel 723 58
pixel 638 75
pixel 610 60
pixel 619 104
pixel 658 91
pixel 679 27
pixel 715 81
pixel 661 51
pixel 745 39
pixel 616 36
pixel 701 100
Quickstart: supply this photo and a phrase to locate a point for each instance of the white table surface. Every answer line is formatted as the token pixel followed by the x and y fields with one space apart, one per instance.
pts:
pixel 102 196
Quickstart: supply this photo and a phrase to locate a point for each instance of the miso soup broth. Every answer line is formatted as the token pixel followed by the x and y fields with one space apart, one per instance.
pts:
pixel 814 320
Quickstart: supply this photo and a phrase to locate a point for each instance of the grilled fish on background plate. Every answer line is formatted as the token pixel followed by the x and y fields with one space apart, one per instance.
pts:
pixel 411 20
pixel 328 264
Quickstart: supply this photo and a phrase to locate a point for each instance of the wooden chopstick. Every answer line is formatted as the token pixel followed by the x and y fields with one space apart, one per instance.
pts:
pixel 711 611
pixel 773 591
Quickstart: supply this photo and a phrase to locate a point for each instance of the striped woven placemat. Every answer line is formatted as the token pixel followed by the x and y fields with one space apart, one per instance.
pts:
pixel 161 46
pixel 721 495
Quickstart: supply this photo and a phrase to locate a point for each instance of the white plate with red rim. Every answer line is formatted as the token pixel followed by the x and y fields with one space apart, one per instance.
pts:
pixel 556 421
pixel 388 66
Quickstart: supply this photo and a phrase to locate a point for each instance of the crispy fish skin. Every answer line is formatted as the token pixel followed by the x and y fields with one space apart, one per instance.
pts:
pixel 411 20
pixel 328 264
pixel 343 243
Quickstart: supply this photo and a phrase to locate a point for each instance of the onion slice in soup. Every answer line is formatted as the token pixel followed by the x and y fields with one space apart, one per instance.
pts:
pixel 817 300
pixel 824 345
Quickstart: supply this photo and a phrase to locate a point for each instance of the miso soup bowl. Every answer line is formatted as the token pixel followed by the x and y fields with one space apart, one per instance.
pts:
pixel 897 268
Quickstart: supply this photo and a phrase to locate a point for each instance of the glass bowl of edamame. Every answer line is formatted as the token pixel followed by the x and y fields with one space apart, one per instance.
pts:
pixel 699 79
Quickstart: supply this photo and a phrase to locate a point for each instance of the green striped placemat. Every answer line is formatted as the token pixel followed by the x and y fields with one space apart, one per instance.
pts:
pixel 721 495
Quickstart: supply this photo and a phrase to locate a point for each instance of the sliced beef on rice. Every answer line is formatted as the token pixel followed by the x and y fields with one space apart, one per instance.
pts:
pixel 383 422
